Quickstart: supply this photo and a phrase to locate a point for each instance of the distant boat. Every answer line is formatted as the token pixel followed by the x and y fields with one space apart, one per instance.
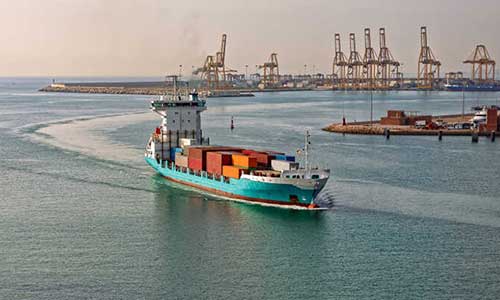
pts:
pixel 472 87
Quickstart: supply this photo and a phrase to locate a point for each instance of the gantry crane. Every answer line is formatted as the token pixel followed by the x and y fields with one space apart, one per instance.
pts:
pixel 370 63
pixel 483 67
pixel 354 64
pixel 271 74
pixel 214 72
pixel 428 65
pixel 339 66
pixel 388 67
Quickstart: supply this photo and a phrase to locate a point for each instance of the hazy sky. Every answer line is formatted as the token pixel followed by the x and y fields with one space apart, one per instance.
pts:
pixel 152 37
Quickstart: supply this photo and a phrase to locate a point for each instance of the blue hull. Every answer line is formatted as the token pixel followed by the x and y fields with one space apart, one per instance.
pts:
pixel 474 88
pixel 241 189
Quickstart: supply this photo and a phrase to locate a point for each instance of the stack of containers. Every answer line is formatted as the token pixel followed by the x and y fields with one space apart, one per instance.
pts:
pixel 263 157
pixel 217 160
pixel 244 161
pixel 197 156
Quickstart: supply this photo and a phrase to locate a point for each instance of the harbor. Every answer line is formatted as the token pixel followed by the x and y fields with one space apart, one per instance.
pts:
pixel 443 125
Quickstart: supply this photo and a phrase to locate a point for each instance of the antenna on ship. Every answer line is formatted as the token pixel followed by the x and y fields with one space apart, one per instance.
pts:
pixel 306 151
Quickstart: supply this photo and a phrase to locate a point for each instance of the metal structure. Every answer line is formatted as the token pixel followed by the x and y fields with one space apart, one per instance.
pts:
pixel 454 77
pixel 339 74
pixel 271 76
pixel 354 65
pixel 214 72
pixel 428 65
pixel 483 67
pixel 388 67
pixel 370 63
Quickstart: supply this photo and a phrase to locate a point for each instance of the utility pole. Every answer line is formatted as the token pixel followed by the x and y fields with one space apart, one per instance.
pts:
pixel 246 72
pixel 463 103
pixel 371 107
pixel 180 70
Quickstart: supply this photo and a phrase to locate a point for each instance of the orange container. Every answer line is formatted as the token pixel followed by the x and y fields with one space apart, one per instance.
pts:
pixel 244 161
pixel 231 172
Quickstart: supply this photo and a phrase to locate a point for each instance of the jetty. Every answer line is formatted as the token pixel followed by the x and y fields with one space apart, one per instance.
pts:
pixel 401 124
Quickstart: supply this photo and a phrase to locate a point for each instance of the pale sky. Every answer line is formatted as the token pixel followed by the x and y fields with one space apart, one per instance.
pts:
pixel 153 37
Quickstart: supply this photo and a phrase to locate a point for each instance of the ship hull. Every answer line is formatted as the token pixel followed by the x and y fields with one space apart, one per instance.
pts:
pixel 243 189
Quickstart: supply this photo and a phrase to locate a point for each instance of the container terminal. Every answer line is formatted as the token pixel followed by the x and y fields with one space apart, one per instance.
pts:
pixel 374 68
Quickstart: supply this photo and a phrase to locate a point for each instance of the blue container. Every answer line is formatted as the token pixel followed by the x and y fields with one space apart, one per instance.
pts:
pixel 173 151
pixel 285 157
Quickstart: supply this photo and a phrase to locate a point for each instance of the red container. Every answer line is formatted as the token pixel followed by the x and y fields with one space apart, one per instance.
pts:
pixel 263 159
pixel 216 160
pixel 195 164
pixel 248 151
pixel 492 119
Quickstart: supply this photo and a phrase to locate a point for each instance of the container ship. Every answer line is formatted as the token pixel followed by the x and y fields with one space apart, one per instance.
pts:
pixel 179 152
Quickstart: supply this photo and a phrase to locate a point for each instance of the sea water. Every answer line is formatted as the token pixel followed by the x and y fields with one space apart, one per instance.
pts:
pixel 82 216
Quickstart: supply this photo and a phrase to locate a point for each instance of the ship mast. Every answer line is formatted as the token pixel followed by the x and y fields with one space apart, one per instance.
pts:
pixel 306 151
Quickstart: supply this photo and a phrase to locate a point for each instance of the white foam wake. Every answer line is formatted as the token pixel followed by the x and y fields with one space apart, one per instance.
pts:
pixel 86 136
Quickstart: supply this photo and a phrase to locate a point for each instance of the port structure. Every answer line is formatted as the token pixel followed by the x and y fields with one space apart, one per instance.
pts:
pixel 454 78
pixel 388 67
pixel 370 64
pixel 339 74
pixel 428 65
pixel 214 73
pixel 483 66
pixel 271 73
pixel 354 65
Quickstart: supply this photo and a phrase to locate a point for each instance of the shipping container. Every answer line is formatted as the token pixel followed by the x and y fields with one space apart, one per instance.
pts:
pixel 195 164
pixel 186 142
pixel 181 160
pixel 216 160
pixel 244 161
pixel 232 172
pixel 283 165
pixel 173 151
pixel 285 157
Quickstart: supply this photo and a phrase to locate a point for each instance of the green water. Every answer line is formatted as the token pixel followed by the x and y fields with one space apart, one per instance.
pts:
pixel 412 218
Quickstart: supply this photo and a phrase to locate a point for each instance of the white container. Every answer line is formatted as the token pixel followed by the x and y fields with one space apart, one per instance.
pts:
pixel 282 165
pixel 186 142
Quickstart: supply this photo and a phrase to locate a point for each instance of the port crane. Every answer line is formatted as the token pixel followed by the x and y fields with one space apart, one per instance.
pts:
pixel 354 64
pixel 339 66
pixel 428 65
pixel 271 71
pixel 388 67
pixel 370 63
pixel 214 72
pixel 483 66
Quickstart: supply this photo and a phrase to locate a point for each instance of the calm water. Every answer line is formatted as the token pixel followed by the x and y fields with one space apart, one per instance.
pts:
pixel 413 217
